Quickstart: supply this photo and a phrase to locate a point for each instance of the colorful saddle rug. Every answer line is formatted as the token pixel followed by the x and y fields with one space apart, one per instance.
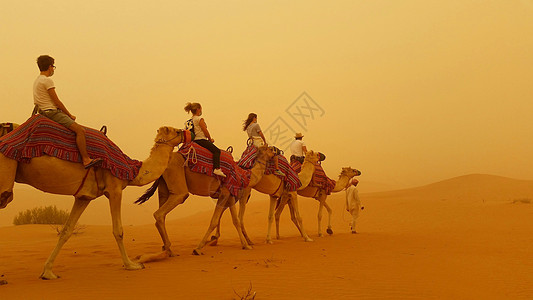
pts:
pixel 290 180
pixel 40 136
pixel 320 179
pixel 200 160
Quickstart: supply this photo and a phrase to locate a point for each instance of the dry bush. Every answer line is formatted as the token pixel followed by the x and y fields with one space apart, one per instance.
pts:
pixel 41 215
pixel 78 229
pixel 250 295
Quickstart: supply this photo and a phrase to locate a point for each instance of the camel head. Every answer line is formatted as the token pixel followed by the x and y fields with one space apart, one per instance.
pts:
pixel 169 136
pixel 311 156
pixel 349 172
pixel 265 153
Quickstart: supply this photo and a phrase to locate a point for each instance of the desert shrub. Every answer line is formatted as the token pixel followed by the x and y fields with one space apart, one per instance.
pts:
pixel 78 229
pixel 41 215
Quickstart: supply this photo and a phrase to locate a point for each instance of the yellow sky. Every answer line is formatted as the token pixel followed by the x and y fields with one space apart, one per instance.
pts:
pixel 410 92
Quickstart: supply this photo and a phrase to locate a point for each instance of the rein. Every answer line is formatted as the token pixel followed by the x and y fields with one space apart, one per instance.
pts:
pixel 163 141
pixel 83 181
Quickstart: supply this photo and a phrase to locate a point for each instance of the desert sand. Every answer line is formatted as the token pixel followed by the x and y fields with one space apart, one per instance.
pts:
pixel 468 237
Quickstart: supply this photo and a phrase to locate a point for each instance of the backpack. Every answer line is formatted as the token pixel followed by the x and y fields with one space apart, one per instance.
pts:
pixel 189 125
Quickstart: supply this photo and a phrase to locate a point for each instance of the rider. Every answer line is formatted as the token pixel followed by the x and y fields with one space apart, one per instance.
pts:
pixel 298 148
pixel 254 132
pixel 202 136
pixel 48 104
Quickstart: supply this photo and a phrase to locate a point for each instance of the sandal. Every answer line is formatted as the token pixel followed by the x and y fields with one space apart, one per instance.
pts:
pixel 93 162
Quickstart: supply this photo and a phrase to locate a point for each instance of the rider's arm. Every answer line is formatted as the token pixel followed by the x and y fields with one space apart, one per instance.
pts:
pixel 203 126
pixel 58 103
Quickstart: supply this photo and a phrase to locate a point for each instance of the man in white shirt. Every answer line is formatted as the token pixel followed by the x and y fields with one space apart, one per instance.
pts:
pixel 298 148
pixel 49 105
pixel 353 203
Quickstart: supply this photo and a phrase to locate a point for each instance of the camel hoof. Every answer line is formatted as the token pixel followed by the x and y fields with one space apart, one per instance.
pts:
pixel 135 266
pixel 320 235
pixel 247 247
pixel 308 239
pixel 197 252
pixel 213 242
pixel 354 232
pixel 48 275
pixel 329 231
pixel 269 242
pixel 250 243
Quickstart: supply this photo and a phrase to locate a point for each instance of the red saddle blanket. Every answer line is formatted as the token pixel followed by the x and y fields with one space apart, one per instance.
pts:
pixel 320 179
pixel 40 136
pixel 200 160
pixel 290 180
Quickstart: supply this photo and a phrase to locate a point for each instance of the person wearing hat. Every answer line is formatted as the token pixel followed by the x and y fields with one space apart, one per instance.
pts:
pixel 298 148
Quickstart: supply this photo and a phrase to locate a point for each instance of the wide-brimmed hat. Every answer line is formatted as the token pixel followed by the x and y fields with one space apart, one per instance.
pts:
pixel 298 135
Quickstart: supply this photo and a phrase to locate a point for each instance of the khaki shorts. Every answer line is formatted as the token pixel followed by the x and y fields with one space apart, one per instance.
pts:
pixel 58 116
pixel 258 141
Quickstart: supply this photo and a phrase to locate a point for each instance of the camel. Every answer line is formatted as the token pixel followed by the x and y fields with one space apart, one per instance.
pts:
pixel 273 186
pixel 320 194
pixel 178 181
pixel 72 179
pixel 6 128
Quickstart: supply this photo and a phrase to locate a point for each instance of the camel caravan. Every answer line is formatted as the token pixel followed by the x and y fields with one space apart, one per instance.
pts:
pixel 41 146
pixel 86 164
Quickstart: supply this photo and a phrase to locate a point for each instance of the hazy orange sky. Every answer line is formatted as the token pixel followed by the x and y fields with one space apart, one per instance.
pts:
pixel 410 92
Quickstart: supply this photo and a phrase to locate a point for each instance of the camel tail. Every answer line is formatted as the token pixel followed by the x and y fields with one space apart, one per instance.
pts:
pixel 149 192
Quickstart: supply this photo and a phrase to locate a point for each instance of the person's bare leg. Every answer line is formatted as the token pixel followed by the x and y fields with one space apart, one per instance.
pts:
pixel 81 142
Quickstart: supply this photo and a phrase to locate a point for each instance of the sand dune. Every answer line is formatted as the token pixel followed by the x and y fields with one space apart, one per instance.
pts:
pixel 462 238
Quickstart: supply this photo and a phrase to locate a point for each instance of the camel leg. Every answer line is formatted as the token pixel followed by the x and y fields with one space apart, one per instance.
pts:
pixel 215 221
pixel 216 236
pixel 115 201
pixel 237 224
pixel 243 200
pixel 296 218
pixel 321 205
pixel 279 210
pixel 160 216
pixel 8 171
pixel 330 211
pixel 273 201
pixel 277 217
pixel 77 209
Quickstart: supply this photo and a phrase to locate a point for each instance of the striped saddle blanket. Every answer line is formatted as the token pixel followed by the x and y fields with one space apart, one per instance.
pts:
pixel 290 180
pixel 40 136
pixel 320 179
pixel 200 160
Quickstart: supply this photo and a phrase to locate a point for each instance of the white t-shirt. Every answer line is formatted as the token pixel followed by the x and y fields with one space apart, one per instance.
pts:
pixel 41 98
pixel 297 148
pixel 253 130
pixel 198 132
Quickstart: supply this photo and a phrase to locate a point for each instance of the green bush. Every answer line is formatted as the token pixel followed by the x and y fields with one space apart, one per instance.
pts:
pixel 41 215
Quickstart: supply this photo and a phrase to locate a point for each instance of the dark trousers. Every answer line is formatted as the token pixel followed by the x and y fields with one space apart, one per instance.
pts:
pixel 214 149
